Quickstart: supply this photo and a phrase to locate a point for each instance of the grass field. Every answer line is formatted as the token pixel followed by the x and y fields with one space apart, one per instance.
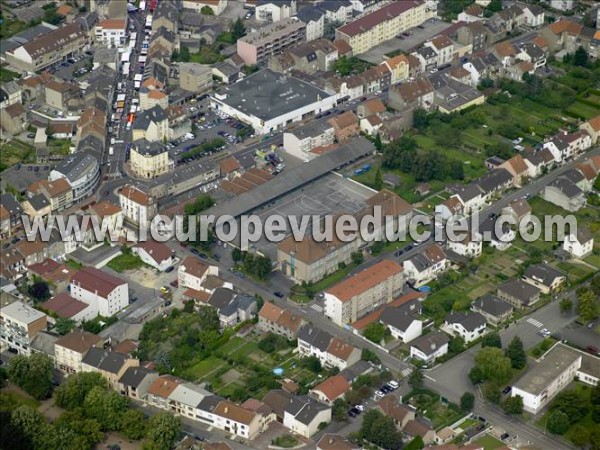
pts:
pixel 203 368
pixel 489 442
pixel 125 261
pixel 15 152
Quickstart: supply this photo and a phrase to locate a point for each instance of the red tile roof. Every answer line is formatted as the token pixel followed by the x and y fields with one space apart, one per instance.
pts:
pixel 95 280
pixel 364 280
pixel 371 20
pixel 158 251
pixel 333 387
pixel 64 306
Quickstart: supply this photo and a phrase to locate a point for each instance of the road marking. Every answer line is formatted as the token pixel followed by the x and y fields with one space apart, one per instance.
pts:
pixel 317 308
pixel 535 323
pixel 432 379
pixel 406 372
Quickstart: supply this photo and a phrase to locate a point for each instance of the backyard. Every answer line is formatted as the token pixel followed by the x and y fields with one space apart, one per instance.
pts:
pixel 125 261
pixel 440 413
pixel 15 152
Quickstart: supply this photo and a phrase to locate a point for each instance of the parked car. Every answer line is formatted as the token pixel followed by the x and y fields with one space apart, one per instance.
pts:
pixel 506 390
pixel 278 294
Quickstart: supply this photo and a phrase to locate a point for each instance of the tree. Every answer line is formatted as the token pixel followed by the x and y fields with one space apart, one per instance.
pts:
pixel 39 290
pixel 557 422
pixel 515 352
pixel 566 304
pixel 369 355
pixel 491 392
pixel 416 379
pixel 31 423
pixel 377 142
pixel 467 401
pixel 513 405
pixel 189 306
pixel 456 345
pixel 357 258
pixel 63 326
pixel 573 403
pixel 378 182
pixel 491 339
pixel 133 424
pixel 238 29
pixel 236 254
pixel 476 375
pixel 588 305
pixel 581 57
pixel 416 444
pixel 163 430
pixel 375 332
pixel 72 392
pixel 580 436
pixel 34 374
pixel 107 407
pixel 420 119
pixel 494 365
pixel 339 408
pixel 312 363
pixel 207 11
pixel 380 430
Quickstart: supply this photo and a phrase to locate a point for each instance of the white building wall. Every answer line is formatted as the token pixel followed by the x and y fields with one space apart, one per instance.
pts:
pixel 107 307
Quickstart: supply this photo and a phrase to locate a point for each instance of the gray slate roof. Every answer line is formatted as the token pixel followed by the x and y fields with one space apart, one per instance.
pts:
pixel 314 336
pixel 492 305
pixel 430 342
pixel 104 360
pixel 133 376
pixel 519 290
pixel 543 273
pixel 469 320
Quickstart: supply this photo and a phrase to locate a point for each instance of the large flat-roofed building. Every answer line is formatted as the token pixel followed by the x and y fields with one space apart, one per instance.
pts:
pixel 383 24
pixel 258 47
pixel 552 374
pixel 19 324
pixel 354 297
pixel 269 101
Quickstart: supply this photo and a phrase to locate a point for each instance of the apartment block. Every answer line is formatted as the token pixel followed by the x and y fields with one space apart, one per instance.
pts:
pixel 95 287
pixel 258 47
pixel 383 24
pixel 70 349
pixel 354 297
pixel 19 324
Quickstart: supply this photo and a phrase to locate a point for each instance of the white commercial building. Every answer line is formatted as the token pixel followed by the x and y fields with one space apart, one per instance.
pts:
pixel 269 101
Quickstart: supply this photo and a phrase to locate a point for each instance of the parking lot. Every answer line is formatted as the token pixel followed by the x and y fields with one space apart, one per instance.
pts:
pixel 328 195
pixel 430 29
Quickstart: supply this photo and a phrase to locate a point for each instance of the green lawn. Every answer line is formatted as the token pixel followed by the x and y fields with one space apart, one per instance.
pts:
pixel 14 152
pixel 10 400
pixel 203 368
pixel 489 442
pixel 125 261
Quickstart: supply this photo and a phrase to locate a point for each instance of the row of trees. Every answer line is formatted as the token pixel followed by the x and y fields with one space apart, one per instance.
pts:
pixel 255 265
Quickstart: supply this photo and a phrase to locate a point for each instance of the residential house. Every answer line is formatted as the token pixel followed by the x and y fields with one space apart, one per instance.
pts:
pixel 155 254
pixel 473 34
pixel 428 58
pixel 10 93
pixel 70 349
pixel 137 206
pixel 59 192
pixel 495 182
pixel 14 119
pixel 66 307
pixel 413 94
pixel 314 18
pixel 468 325
pixel 564 193
pixel 240 309
pixel 419 427
pixel 300 141
pixel 426 265
pixel 111 365
pixel 544 277
pixel 518 168
pixel 111 32
pixel 399 413
pixel 492 308
pixel 192 273
pixel 335 442
pixel 345 126
pixel 160 389
pixel 337 10
pixel 562 35
pixel 534 15
pixel 273 319
pixel 429 346
pixel 303 415
pixel 257 47
pixel 519 210
pixel 470 246
pixel 443 47
pixel 274 10
pixel 136 381
pixel 19 324
pixel 331 389
pixel 500 237
pixel 152 125
pixel 37 206
pixel 471 198
pixel 472 13
pixel 217 6
pixel 308 57
pixel 398 67
pixel 194 77
pixel 403 321
pixel 451 207
pixel 331 351
pixel 365 291
pixel 106 292
pixel 518 293
pixel 58 275
pixel 236 420
pixel 592 127
pixel 579 244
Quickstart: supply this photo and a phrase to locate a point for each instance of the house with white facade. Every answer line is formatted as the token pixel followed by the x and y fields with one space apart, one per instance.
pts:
pixel 303 415
pixel 192 273
pixel 429 346
pixel 468 325
pixel 137 206
pixel 472 199
pixel 403 321
pixel 111 32
pixel 155 254
pixel 470 246
pixel 579 244
pixel 70 349
pixel 332 352
pixel 444 48
pixel 492 308
pixel 425 266
pixel 544 277
pixel 274 10
pixel 108 293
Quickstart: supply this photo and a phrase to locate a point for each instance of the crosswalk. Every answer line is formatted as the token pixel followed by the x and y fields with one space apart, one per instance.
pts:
pixel 535 323
pixel 317 308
